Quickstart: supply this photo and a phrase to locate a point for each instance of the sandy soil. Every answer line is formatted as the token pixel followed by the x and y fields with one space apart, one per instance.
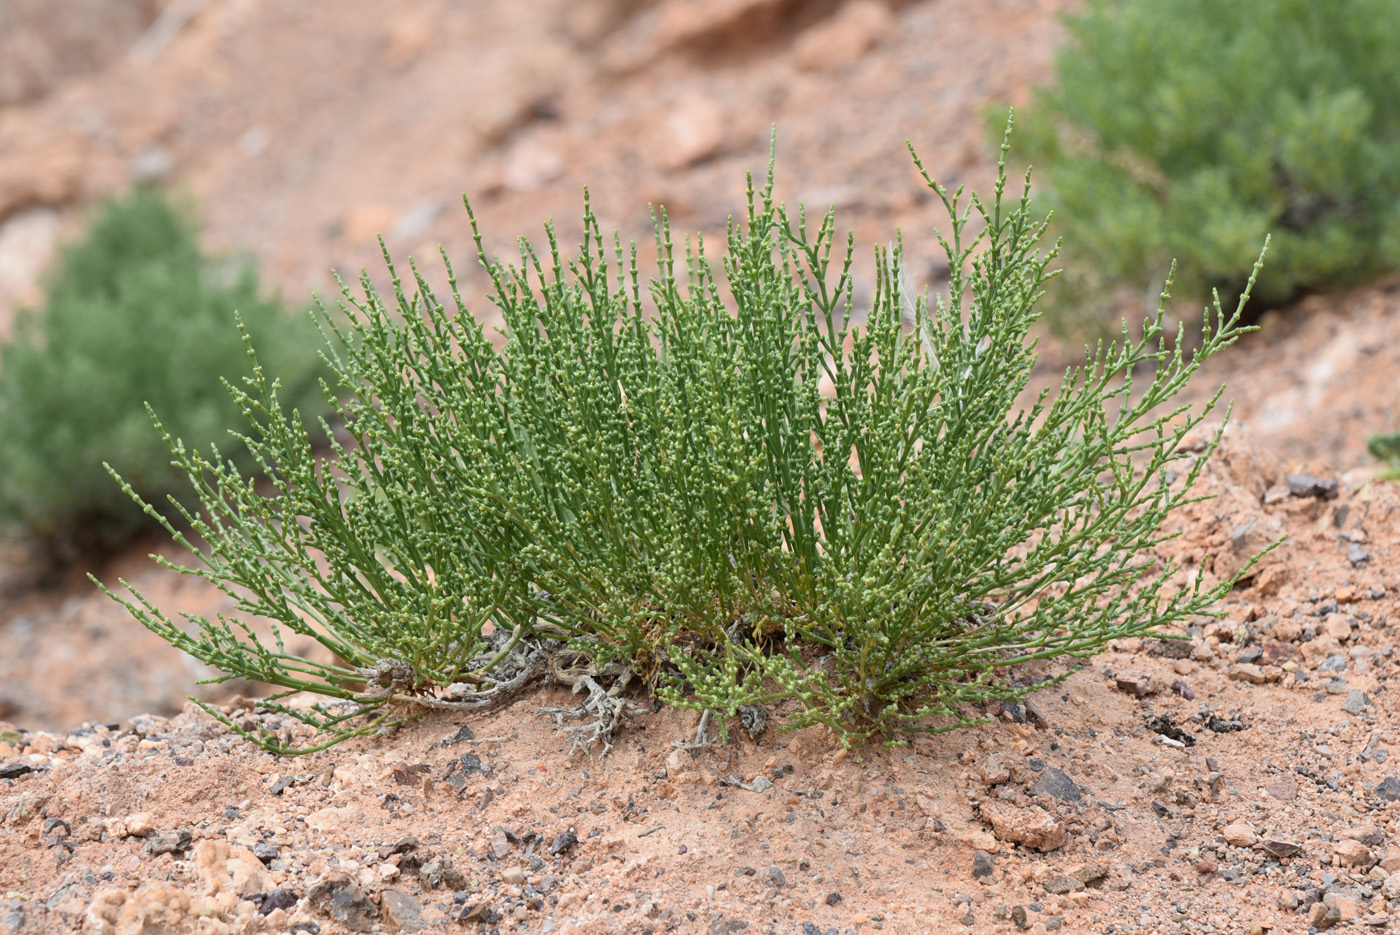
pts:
pixel 1242 781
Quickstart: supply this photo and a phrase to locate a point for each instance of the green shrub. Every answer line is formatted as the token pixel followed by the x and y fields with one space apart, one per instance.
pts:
pixel 133 313
pixel 1386 448
pixel 661 490
pixel 1194 129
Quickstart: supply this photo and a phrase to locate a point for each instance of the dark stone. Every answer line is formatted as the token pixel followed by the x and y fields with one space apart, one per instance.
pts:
pixel 1054 783
pixel 1333 663
pixel 277 899
pixel 1014 711
pixel 1389 789
pixel 811 928
pixel 176 843
pixel 1219 725
pixel 1308 485
pixel 265 852
pixel 833 898
pixel 342 899
pixel 14 770
pixel 1250 654
pixel 1036 764
pixel 1060 885
pixel 463 733
pixel 1182 689
pixel 982 865
pixel 1280 848
pixel 1170 649
pixel 1162 724
pixel 280 786
pixel 1357 555
pixel 563 842
pixel 1018 915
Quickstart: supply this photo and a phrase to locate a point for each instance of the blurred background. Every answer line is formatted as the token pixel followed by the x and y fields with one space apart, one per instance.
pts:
pixel 284 136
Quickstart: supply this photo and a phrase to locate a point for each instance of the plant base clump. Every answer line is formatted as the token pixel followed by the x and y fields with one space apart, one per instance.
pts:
pixel 720 483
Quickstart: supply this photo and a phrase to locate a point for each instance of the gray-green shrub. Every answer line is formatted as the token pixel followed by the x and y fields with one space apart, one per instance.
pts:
pixel 1194 129
pixel 133 313
pixel 648 480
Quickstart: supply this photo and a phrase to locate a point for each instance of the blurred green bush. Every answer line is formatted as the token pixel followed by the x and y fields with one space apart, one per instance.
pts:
pixel 1192 129
pixel 133 314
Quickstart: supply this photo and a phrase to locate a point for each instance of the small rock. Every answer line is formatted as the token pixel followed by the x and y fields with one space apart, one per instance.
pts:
pixel 1206 866
pixel 833 898
pixel 563 842
pixel 175 843
pixel 342 899
pixel 727 926
pixel 1054 783
pixel 1060 885
pixel 1031 827
pixel 982 865
pixel 401 910
pixel 1333 663
pixel 1307 485
pixel 1247 672
pixel 1337 626
pixel 1343 907
pixel 1357 555
pixel 1283 787
pixel 1035 715
pixel 1318 918
pixel 513 875
pixel 1137 684
pixel 1091 873
pixel 993 770
pixel 1366 833
pixel 1275 848
pixel 1353 854
pixel 1356 702
pixel 776 876
pixel 1182 689
pixel 265 852
pixel 1239 834
pixel 1389 789
pixel 1018 915
pixel 500 845
pixel 277 899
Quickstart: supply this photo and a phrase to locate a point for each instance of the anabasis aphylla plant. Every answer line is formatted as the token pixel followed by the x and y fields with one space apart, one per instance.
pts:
pixel 647 481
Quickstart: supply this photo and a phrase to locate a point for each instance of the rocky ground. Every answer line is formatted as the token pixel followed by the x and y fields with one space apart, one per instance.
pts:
pixel 1244 779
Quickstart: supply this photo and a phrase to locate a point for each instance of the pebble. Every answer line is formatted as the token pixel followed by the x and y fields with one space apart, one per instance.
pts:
pixel 1389 789
pixel 401 910
pixel 1060 885
pixel 1356 703
pixel 1308 485
pixel 1137 684
pixel 513 875
pixel 982 865
pixel 1275 848
pixel 1353 854
pixel 1239 834
pixel 1057 785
